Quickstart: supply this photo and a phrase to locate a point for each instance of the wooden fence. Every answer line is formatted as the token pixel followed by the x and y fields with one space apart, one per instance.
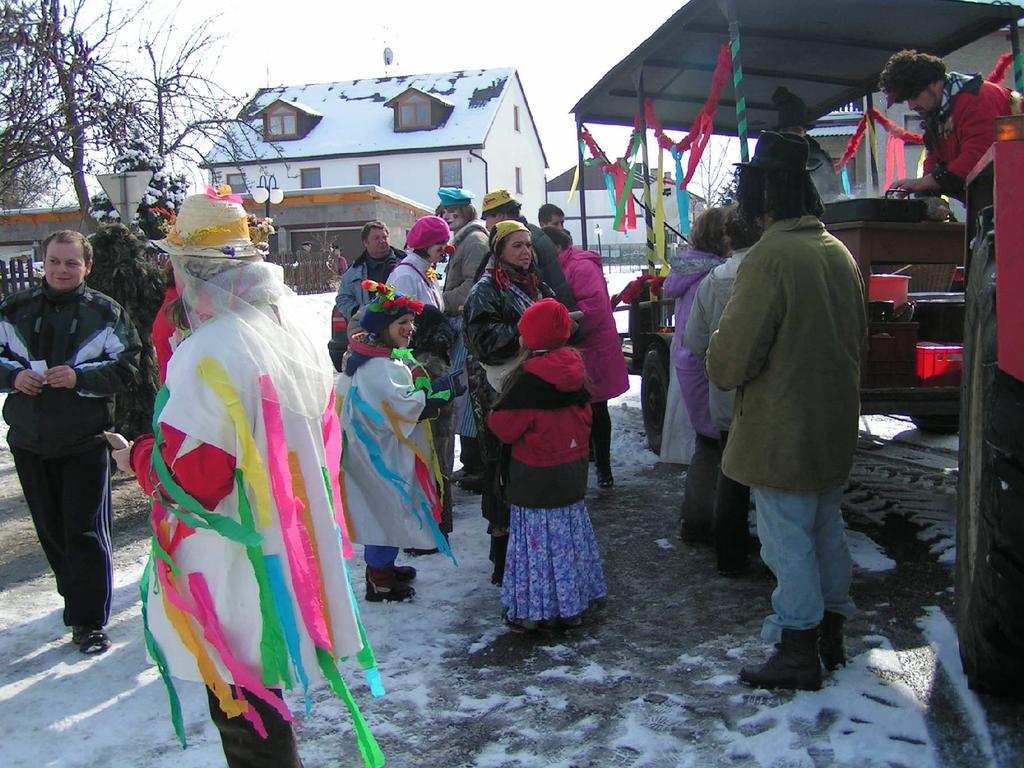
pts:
pixel 16 275
pixel 308 273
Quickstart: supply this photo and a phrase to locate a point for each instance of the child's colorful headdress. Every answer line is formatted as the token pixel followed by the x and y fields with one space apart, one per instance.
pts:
pixel 386 306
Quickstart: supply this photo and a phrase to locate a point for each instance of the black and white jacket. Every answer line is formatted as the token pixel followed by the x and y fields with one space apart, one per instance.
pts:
pixel 83 329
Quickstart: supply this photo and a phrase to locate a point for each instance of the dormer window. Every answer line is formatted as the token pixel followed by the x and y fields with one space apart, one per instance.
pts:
pixel 281 122
pixel 416 110
pixel 287 120
pixel 414 113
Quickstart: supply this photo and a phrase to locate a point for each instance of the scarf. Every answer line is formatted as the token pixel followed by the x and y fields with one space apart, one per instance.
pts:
pixel 508 277
pixel 940 122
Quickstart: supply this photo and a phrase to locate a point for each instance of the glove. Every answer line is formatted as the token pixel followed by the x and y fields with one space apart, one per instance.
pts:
pixel 444 389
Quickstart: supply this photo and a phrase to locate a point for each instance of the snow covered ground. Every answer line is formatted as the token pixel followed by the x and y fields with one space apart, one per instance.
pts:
pixel 60 708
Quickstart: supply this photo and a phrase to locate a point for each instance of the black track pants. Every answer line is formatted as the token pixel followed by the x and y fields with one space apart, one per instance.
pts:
pixel 69 498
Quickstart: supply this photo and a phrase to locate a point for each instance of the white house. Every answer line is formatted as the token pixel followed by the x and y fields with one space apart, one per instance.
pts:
pixel 408 134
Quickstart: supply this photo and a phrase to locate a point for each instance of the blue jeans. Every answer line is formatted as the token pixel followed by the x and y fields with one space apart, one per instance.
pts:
pixel 378 556
pixel 803 542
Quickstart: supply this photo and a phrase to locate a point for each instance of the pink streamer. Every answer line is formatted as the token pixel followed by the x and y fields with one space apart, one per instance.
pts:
pixel 297 544
pixel 215 637
pixel 332 446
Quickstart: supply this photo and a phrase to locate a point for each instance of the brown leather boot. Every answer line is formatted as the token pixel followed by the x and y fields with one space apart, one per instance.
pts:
pixel 794 664
pixel 384 584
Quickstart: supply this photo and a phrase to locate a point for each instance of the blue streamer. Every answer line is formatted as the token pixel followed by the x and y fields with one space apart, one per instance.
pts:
pixel 282 599
pixel 373 678
pixel 682 196
pixel 420 507
pixel 846 180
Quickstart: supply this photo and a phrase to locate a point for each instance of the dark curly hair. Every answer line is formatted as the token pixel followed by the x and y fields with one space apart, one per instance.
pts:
pixel 780 194
pixel 907 73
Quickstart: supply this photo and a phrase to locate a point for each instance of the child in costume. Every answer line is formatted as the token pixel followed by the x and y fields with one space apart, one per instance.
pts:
pixel 552 568
pixel 389 472
pixel 247 588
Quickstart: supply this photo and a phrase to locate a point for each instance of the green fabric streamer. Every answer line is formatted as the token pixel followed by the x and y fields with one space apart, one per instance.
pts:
pixel 179 503
pixel 366 657
pixel 273 650
pixel 373 757
pixel 157 655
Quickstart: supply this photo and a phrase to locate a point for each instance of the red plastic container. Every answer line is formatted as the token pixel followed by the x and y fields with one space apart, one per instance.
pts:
pixel 889 288
pixel 939 365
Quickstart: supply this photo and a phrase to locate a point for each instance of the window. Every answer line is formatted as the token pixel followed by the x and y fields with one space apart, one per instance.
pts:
pixel 236 181
pixel 369 174
pixel 281 123
pixel 515 118
pixel 451 173
pixel 413 113
pixel 519 181
pixel 310 178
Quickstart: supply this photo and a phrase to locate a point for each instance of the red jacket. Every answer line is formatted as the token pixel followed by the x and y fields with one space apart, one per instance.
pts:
pixel 969 136
pixel 545 417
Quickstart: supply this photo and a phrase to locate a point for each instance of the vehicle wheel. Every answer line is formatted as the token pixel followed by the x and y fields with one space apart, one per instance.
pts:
pixel 937 424
pixel 990 533
pixel 654 382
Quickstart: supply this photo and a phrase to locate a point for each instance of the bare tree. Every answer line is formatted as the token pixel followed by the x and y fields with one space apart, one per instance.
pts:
pixel 69 104
pixel 714 174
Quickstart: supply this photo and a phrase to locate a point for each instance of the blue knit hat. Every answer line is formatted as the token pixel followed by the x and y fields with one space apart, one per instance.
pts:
pixel 454 196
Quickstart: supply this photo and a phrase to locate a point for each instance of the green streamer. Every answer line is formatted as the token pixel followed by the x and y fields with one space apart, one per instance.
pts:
pixel 373 757
pixel 157 655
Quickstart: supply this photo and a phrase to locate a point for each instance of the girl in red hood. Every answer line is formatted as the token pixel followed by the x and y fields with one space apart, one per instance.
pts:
pixel 552 568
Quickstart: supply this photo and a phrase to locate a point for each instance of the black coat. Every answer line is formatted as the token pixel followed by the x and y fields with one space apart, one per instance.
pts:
pixel 491 319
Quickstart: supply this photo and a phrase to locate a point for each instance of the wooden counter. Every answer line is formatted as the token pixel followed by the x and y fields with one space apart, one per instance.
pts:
pixel 883 242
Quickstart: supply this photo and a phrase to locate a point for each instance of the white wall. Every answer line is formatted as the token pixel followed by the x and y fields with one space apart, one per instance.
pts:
pixel 506 150
pixel 414 176
pixel 417 175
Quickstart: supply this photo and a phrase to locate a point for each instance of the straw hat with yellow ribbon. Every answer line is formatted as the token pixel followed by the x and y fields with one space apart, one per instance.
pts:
pixel 212 225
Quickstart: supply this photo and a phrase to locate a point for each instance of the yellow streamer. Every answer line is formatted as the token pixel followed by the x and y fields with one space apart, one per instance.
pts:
pixel 432 462
pixel 207 669
pixel 575 183
pixel 659 216
pixel 250 462
pixel 873 144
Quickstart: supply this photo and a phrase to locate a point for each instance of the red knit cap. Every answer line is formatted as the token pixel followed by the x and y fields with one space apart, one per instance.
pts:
pixel 545 325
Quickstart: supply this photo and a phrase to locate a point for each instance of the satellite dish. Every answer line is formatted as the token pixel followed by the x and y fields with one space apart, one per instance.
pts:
pixel 389 56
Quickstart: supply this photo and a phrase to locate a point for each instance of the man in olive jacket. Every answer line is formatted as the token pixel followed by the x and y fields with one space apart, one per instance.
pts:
pixel 790 342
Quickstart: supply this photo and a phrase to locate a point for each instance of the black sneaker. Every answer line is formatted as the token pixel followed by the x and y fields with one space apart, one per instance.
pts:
pixel 90 639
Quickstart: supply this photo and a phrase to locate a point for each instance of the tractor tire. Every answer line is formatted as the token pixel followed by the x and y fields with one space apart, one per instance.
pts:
pixel 990 498
pixel 654 383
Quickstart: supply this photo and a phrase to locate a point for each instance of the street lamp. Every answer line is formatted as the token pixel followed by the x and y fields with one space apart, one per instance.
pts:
pixel 597 233
pixel 267 192
pixel 125 191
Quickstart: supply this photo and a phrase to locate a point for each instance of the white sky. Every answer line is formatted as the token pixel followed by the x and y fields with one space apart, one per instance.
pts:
pixel 560 49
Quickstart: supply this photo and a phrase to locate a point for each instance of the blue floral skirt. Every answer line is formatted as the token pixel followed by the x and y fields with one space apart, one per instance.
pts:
pixel 553 568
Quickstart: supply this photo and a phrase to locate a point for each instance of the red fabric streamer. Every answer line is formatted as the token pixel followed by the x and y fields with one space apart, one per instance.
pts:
pixel 634 291
pixel 998 74
pixel 879 120
pixel 703 125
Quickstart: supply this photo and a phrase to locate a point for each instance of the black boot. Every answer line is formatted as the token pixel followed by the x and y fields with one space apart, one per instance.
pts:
pixel 794 664
pixel 830 641
pixel 385 584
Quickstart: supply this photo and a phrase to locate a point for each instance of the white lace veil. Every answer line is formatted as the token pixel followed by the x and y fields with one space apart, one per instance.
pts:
pixel 245 304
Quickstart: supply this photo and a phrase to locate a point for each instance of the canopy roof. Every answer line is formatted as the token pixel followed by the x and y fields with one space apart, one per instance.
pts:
pixel 828 52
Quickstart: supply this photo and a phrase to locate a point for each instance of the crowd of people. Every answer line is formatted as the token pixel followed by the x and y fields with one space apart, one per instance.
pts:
pixel 264 467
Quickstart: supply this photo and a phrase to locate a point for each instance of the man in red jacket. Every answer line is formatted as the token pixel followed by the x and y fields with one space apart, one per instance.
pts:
pixel 958 114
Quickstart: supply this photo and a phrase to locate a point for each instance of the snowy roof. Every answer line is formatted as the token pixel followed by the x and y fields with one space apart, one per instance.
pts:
pixel 357 122
pixel 292 103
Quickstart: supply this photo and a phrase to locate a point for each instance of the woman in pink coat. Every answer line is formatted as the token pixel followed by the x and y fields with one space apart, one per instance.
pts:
pixel 601 346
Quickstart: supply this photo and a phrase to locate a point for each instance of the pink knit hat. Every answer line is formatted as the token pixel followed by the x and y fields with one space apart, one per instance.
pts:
pixel 428 231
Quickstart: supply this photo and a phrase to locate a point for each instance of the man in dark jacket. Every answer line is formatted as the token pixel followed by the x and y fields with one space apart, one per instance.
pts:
pixel 65 350
pixel 499 205
pixel 375 263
